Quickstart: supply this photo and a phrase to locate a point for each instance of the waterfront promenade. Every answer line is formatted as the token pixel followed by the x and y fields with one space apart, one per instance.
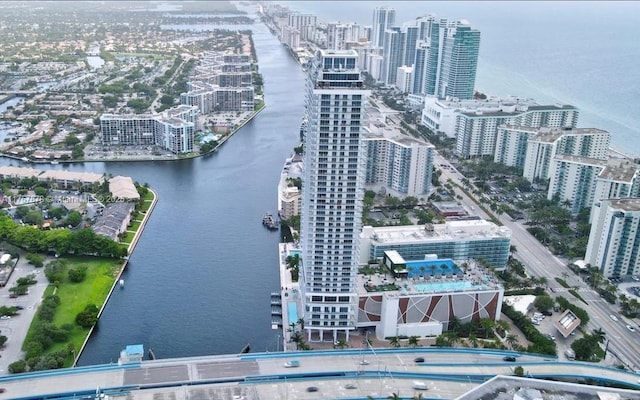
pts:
pixel 448 373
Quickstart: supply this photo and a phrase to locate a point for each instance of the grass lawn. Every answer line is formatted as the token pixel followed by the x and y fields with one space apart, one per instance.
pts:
pixel 74 297
pixel 134 225
pixel 128 238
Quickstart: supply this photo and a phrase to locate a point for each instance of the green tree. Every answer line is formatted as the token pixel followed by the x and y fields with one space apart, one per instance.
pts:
pixel 71 140
pixel 78 274
pixel 74 218
pixel 37 260
pixel 414 341
pixel 543 302
pixel 394 341
pixel 77 152
pixel 511 339
pixel 88 317
pixel 33 218
pixel 18 367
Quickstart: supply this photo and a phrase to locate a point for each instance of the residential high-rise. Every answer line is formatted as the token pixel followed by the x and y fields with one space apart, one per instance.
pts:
pixel 392 55
pixel 614 242
pixel 573 181
pixel 383 19
pixel 401 164
pixel 332 193
pixel 548 143
pixel 430 34
pixel 459 61
pixel 409 38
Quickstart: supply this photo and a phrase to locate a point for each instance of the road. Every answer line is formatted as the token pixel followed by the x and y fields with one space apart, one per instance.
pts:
pixel 540 262
pixel 448 373
pixel 16 327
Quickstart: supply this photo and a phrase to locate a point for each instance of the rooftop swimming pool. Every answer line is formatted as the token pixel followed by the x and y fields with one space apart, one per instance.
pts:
pixel 292 311
pixel 446 286
pixel 432 267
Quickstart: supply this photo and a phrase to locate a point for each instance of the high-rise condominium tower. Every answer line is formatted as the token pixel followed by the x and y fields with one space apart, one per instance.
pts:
pixel 332 193
pixel 383 19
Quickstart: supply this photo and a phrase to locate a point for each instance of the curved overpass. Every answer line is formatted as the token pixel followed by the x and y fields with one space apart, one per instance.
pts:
pixel 449 373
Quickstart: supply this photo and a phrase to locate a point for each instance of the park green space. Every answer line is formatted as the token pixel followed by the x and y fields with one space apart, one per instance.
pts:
pixel 74 297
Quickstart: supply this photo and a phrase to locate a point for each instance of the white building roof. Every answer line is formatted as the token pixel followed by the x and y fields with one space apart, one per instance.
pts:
pixel 451 230
pixel 123 187
pixel 86 177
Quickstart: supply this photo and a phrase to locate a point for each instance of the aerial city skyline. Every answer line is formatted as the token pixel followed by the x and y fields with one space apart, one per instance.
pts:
pixel 433 62
pixel 416 213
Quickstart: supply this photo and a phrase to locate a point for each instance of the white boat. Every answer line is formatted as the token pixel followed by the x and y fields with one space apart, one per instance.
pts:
pixel 121 283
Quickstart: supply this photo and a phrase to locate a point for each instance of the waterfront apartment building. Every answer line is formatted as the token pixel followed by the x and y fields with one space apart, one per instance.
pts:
pixel 476 131
pixel 573 181
pixel 511 145
pixel 172 130
pixel 289 196
pixel 457 73
pixel 614 239
pixel 618 180
pixel 301 22
pixel 383 19
pixel 400 164
pixel 458 240
pixel 391 55
pixel 209 98
pixel 222 82
pixel 332 193
pixel 547 143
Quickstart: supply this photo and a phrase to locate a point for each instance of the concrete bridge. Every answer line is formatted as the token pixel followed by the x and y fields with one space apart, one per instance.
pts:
pixel 354 374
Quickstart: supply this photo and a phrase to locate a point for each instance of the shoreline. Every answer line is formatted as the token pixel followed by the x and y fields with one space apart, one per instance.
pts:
pixel 130 249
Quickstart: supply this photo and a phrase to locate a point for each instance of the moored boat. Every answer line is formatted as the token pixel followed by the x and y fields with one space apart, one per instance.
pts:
pixel 269 221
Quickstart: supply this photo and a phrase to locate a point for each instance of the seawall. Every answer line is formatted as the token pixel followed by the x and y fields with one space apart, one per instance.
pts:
pixel 130 249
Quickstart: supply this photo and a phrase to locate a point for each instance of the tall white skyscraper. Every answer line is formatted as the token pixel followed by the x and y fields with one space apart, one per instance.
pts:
pixel 383 19
pixel 332 193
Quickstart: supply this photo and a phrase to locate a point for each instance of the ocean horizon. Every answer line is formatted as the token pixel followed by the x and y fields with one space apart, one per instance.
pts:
pixel 582 53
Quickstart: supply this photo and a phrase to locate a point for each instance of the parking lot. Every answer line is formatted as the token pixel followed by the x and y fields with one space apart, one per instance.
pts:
pixel 15 328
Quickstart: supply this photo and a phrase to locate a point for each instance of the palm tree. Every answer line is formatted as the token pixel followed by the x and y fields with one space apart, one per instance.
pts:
pixel 301 323
pixel 418 396
pixel 394 396
pixel 454 324
pixel 511 339
pixel 452 338
pixel 487 325
pixel 394 341
pixel 414 341
pixel 503 325
pixel 599 335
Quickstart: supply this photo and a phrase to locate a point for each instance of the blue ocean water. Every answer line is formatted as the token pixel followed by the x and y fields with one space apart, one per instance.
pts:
pixel 583 53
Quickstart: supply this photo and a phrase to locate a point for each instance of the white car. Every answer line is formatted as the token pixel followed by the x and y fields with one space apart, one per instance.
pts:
pixel 613 317
pixel 631 328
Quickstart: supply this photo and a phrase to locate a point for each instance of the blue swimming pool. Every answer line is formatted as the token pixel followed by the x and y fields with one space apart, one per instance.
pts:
pixel 293 253
pixel 292 311
pixel 444 286
pixel 432 267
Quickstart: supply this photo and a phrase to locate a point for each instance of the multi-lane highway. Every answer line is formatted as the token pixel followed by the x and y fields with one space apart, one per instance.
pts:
pixel 446 373
pixel 623 343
